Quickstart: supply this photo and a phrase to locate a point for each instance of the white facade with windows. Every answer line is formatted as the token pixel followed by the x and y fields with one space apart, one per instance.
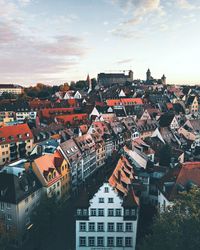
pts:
pixel 106 223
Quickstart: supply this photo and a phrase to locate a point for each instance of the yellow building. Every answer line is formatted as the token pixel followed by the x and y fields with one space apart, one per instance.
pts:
pixel 63 168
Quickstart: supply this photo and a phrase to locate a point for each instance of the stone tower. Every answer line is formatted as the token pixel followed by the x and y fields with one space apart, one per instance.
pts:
pixel 148 74
pixel 89 82
pixel 130 74
pixel 163 79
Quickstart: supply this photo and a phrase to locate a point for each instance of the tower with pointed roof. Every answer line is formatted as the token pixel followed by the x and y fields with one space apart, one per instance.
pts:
pixel 89 82
pixel 163 79
pixel 148 74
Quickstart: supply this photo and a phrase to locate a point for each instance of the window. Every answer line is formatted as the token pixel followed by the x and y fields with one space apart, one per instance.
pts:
pixel 100 241
pixel 9 217
pixel 101 200
pixel 82 226
pixel 110 241
pixel 8 205
pixel 128 242
pixel 118 212
pixel 110 227
pixel 119 242
pixel 127 212
pixel 106 190
pixel 79 212
pixel 133 212
pixel 91 242
pixel 129 227
pixel 85 212
pixel 119 227
pixel 100 227
pixel 110 200
pixel 110 212
pixel 2 206
pixel 91 226
pixel 93 212
pixel 82 241
pixel 100 212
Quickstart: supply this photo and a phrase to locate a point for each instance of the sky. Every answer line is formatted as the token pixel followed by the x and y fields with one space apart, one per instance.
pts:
pixel 60 41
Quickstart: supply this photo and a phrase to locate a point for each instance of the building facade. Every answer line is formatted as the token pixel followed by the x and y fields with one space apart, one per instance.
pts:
pixel 107 221
pixel 15 142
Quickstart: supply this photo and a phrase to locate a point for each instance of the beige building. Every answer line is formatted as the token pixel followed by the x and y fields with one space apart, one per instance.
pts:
pixel 11 88
pixel 15 142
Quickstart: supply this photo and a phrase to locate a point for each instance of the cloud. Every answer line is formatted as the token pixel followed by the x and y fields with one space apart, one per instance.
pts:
pixel 138 8
pixel 26 55
pixel 184 4
pixel 124 61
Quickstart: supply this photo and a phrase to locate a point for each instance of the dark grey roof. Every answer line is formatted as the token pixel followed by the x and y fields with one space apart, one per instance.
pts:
pixel 15 188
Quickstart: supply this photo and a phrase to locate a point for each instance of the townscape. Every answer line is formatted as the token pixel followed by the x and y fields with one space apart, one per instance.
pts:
pixel 109 152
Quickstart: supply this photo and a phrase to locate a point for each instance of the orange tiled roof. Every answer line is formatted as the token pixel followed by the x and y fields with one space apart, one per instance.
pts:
pixel 169 105
pixel 55 111
pixel 189 171
pixel 15 133
pixel 120 175
pixel 71 117
pixel 124 101
pixel 45 164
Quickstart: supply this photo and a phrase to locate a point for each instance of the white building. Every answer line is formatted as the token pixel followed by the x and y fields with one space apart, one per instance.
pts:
pixel 107 221
pixel 22 115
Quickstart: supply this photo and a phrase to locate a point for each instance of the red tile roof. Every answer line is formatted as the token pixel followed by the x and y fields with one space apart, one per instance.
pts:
pixel 51 112
pixel 15 133
pixel 124 101
pixel 71 118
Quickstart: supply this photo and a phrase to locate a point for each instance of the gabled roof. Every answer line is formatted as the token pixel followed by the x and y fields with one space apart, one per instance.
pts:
pixel 166 119
pixel 180 179
pixel 46 164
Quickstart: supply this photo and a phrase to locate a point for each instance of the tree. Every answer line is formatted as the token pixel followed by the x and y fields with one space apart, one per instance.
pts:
pixel 179 227
pixel 165 155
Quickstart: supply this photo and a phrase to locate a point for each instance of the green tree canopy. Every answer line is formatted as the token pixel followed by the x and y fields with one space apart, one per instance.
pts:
pixel 179 227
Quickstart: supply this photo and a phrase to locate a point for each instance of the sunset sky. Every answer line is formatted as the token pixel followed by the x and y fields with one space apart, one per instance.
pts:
pixel 54 41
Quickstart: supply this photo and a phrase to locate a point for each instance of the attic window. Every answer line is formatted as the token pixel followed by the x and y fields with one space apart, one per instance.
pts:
pixel 68 151
pixel 2 139
pixel 11 137
pixel 26 188
pixel 19 136
pixel 33 183
pixel 27 134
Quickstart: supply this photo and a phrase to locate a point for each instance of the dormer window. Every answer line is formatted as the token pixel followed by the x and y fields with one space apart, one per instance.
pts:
pixel 19 136
pixel 26 188
pixel 54 173
pixel 11 137
pixel 33 183
pixel 49 177
pixel 27 134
